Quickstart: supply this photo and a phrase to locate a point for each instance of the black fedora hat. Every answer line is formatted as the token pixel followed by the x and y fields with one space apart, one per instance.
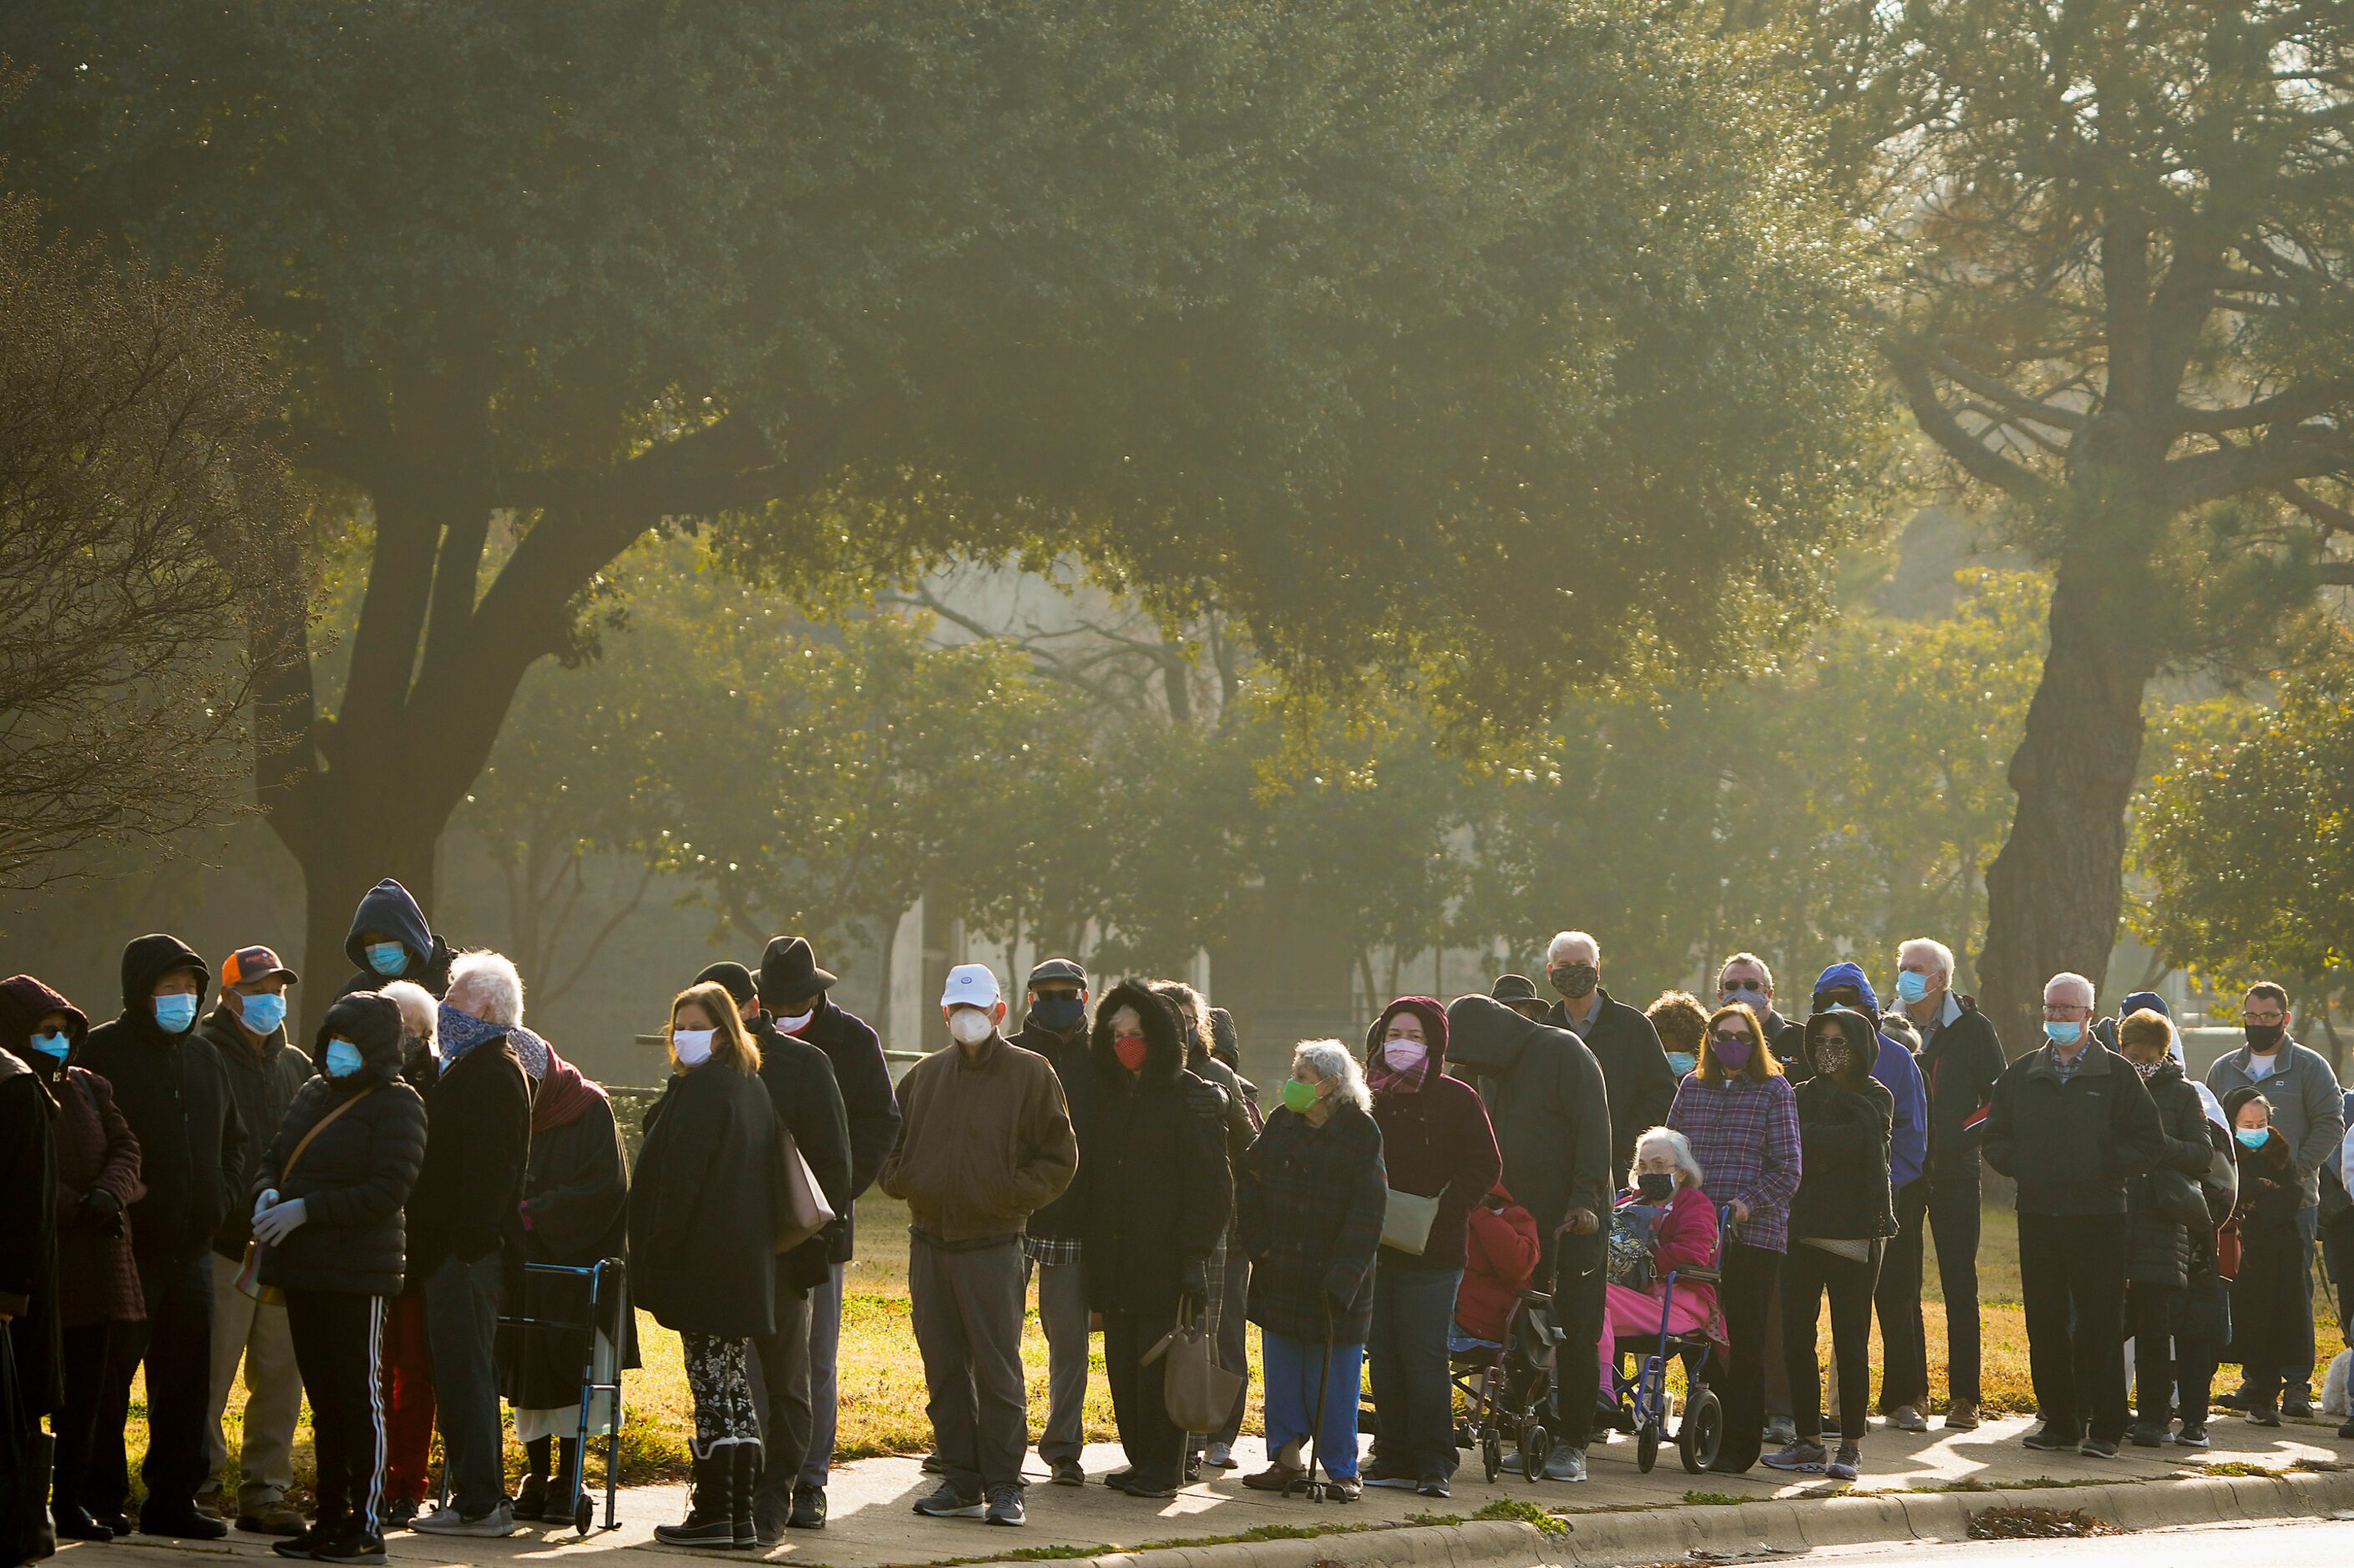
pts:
pixel 1514 989
pixel 789 973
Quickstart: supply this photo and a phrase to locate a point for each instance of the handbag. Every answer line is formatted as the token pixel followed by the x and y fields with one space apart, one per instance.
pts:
pixel 249 1271
pixel 1200 1392
pixel 1405 1222
pixel 2179 1197
pixel 800 1208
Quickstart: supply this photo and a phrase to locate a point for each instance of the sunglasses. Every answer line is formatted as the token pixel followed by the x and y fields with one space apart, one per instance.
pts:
pixel 1722 1038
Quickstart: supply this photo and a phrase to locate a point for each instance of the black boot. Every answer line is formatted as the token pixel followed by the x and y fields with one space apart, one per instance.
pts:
pixel 559 1508
pixel 531 1498
pixel 708 1520
pixel 748 1483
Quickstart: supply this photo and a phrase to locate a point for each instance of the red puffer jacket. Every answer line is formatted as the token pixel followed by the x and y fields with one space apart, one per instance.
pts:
pixel 1500 1257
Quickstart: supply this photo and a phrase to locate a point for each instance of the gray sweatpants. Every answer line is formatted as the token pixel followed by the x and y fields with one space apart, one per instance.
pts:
pixel 1063 1315
pixel 967 1311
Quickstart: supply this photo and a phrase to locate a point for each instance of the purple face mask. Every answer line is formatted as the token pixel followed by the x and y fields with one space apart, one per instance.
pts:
pixel 1732 1053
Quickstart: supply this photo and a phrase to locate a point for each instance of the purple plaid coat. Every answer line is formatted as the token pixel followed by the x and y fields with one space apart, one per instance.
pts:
pixel 1745 1136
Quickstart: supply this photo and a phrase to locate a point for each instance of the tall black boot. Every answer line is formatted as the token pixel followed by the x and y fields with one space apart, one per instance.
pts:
pixel 747 1482
pixel 559 1489
pixel 708 1520
pixel 531 1498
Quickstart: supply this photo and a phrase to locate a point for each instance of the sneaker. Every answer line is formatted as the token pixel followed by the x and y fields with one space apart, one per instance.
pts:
pixel 1221 1457
pixel 1005 1506
pixel 2194 1434
pixel 1800 1457
pixel 770 1516
pixel 2235 1400
pixel 1512 1465
pixel 1961 1416
pixel 1432 1487
pixel 1069 1473
pixel 2146 1435
pixel 2098 1448
pixel 352 1545
pixel 949 1503
pixel 1275 1477
pixel 934 1465
pixel 1781 1430
pixel 2051 1439
pixel 1908 1418
pixel 1843 1468
pixel 2345 1431
pixel 2254 1416
pixel 808 1507
pixel 1389 1480
pixel 400 1513
pixel 2297 1405
pixel 303 1541
pixel 490 1525
pixel 272 1519
pixel 1567 1464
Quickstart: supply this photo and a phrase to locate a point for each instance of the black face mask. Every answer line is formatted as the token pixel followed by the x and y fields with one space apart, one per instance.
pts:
pixel 1575 982
pixel 1060 1013
pixel 1656 1186
pixel 2264 1037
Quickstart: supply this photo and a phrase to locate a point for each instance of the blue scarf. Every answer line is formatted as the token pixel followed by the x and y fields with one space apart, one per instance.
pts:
pixel 460 1032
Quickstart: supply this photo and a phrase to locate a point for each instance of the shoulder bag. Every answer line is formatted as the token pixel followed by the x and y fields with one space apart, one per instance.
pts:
pixel 249 1273
pixel 1406 1219
pixel 798 1209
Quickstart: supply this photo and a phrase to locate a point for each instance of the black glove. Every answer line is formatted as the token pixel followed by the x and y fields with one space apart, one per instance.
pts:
pixel 103 1211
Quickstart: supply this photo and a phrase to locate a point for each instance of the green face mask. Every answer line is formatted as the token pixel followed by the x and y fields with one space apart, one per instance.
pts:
pixel 1297 1096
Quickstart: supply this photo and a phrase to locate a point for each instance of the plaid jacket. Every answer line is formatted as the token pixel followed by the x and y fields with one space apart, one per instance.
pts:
pixel 1746 1136
pixel 1310 1201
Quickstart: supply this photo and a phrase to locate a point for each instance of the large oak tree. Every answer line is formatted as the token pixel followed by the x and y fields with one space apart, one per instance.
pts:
pixel 1510 341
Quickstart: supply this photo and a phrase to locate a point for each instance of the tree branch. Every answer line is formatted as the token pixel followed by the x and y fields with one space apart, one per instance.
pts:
pixel 2291 406
pixel 2235 470
pixel 1977 458
pixel 2338 519
pixel 1995 390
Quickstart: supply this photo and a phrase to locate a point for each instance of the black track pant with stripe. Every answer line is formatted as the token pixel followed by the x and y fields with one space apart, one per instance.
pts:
pixel 338 1339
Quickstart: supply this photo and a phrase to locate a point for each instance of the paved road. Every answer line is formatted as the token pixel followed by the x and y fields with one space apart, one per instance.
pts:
pixel 2279 1544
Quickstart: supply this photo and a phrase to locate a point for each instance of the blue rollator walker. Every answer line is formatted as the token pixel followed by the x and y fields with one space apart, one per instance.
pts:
pixel 1645 1405
pixel 607 1283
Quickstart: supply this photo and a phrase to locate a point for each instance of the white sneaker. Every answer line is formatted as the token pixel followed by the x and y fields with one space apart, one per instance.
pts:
pixel 1219 1457
pixel 448 1520
pixel 1567 1464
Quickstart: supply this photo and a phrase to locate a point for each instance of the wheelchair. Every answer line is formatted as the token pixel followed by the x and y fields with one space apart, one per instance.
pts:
pixel 1643 1406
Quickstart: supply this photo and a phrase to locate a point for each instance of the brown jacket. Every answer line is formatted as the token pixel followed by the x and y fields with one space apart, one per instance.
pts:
pixel 982 1144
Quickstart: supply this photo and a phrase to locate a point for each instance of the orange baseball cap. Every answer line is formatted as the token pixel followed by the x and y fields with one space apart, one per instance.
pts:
pixel 253 964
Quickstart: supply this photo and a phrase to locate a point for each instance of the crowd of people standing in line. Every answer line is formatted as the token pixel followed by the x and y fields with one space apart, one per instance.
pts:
pixel 354 1220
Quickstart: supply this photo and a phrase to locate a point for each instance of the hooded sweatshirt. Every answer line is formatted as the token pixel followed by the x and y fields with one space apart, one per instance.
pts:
pixel 1908 1139
pixel 175 1093
pixel 1551 1113
pixel 1845 1191
pixel 387 908
pixel 1436 1140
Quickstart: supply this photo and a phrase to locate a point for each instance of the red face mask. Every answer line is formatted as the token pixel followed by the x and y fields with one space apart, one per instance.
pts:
pixel 1130 1049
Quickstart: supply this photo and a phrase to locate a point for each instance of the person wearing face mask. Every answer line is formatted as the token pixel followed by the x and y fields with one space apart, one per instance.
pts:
pixel 174 1091
pixel 799 1079
pixel 2308 1115
pixel 1055 1027
pixel 1436 1142
pixel 1634 1068
pixel 1311 1191
pixel 2072 1125
pixel 1152 1194
pixel 1744 980
pixel 328 1210
pixel 1740 1119
pixel 66 1328
pixel 2267 1322
pixel 2165 1257
pixel 984 1142
pixel 701 1249
pixel 1840 1218
pixel 390 940
pixel 1665 1182
pixel 1679 1021
pixel 404 1371
pixel 247 1028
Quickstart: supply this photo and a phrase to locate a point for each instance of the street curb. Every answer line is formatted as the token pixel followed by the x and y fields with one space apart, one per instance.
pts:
pixel 1796 1524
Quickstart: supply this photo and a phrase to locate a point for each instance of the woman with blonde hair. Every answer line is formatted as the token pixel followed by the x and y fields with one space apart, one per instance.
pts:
pixel 702 1248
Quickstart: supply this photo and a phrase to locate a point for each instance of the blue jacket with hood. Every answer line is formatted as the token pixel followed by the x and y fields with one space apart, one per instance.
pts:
pixel 1908 1137
pixel 389 909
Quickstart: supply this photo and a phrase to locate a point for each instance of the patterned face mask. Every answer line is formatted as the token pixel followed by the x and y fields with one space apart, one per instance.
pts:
pixel 2146 1069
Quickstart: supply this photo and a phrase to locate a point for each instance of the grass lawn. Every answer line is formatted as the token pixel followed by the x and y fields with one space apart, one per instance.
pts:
pixel 882 1379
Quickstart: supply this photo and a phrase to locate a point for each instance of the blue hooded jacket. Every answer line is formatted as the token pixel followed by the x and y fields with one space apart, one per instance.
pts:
pixel 1908 1136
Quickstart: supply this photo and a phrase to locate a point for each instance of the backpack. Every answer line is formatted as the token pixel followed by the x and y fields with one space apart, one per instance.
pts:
pixel 1634 1236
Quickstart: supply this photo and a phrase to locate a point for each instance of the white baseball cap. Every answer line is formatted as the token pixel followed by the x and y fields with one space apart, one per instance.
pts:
pixel 971 985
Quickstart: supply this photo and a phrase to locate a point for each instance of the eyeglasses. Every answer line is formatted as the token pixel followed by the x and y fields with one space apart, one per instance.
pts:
pixel 2262 1017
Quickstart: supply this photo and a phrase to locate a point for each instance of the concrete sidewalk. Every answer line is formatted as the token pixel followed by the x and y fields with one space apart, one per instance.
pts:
pixel 873 1523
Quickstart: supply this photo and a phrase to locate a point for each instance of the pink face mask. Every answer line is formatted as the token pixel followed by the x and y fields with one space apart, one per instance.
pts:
pixel 1405 1055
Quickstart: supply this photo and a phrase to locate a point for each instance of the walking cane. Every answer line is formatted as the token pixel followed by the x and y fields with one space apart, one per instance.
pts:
pixel 1309 1485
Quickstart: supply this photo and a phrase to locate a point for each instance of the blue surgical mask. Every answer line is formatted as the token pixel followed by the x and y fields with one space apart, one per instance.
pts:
pixel 264 1012
pixel 387 958
pixel 1681 1062
pixel 56 1044
pixel 174 1014
pixel 343 1058
pixel 2062 1034
pixel 1912 985
pixel 2251 1137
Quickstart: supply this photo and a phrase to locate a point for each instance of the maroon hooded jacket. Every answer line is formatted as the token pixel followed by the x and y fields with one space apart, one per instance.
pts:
pixel 1435 1137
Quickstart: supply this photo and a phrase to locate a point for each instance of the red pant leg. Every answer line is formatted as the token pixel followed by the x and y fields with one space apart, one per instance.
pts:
pixel 409 1399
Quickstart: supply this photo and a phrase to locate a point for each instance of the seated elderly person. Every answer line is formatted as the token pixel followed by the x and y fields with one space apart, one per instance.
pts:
pixel 478 1137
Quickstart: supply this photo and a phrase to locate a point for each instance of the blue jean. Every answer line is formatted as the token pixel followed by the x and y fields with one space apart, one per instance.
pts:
pixel 461 1325
pixel 824 1361
pixel 1293 1367
pixel 1413 1310
pixel 2297 1376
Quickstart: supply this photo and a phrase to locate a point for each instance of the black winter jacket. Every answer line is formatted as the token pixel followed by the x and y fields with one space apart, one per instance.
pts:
pixel 1154 1189
pixel 175 1093
pixel 28 1235
pixel 478 1113
pixel 1546 1094
pixel 1633 1069
pixel 1843 1126
pixel 1073 1060
pixel 2161 1251
pixel 1959 1068
pixel 800 1078
pixel 1311 1201
pixel 356 1175
pixel 2072 1147
pixel 863 1076
pixel 701 1242
pixel 578 1187
pixel 264 1079
pixel 389 909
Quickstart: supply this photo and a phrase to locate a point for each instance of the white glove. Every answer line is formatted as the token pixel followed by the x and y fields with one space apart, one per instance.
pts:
pixel 275 1224
pixel 269 1196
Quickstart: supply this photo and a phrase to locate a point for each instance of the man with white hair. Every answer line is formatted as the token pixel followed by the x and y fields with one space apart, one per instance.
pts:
pixel 1636 1077
pixel 2073 1124
pixel 1960 1058
pixel 478 1139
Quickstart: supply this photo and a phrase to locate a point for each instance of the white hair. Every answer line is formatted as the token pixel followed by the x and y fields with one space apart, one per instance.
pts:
pixel 1565 940
pixel 1929 948
pixel 489 979
pixel 1330 1061
pixel 1677 1147
pixel 419 1013
pixel 2069 977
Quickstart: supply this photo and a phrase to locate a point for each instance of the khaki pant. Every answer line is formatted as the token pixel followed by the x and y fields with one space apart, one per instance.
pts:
pixel 245 1330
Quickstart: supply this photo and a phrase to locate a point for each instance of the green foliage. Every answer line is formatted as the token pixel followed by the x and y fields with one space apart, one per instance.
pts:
pixel 1527 1512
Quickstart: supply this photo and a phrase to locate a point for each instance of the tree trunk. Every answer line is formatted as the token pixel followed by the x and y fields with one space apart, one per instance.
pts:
pixel 337 868
pixel 2053 892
